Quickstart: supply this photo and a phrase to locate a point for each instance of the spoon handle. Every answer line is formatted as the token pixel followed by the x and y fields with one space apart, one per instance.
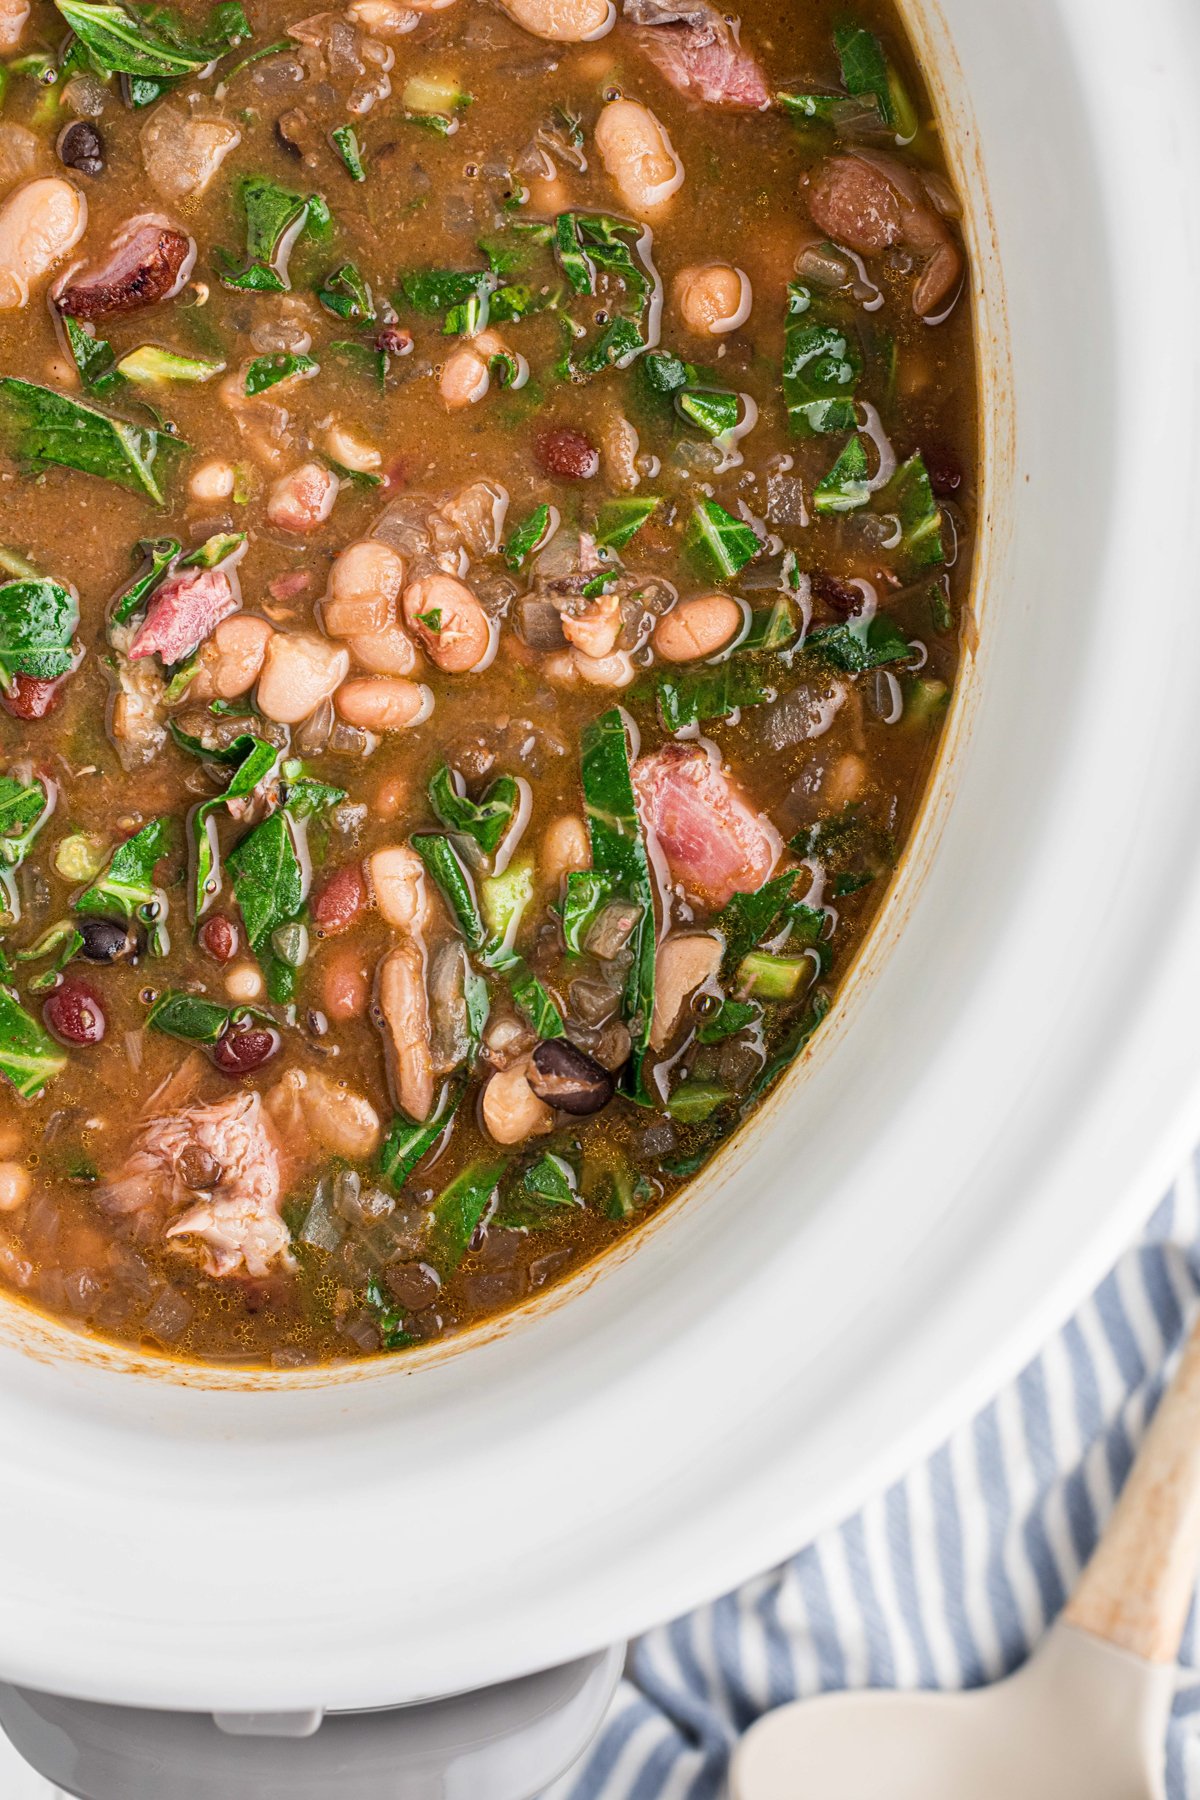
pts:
pixel 1136 1591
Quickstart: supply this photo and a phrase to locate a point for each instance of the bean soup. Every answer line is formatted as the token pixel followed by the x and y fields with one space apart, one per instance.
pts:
pixel 488 495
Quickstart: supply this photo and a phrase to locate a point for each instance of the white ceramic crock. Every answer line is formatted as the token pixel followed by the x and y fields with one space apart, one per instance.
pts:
pixel 996 1101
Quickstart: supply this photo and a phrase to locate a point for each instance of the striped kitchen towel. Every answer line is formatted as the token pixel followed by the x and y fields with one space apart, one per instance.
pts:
pixel 949 1578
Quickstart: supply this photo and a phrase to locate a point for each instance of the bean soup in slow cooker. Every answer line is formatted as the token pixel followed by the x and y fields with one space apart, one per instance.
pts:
pixel 488 495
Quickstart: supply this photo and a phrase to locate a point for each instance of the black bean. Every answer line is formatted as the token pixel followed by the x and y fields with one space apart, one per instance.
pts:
pixel 108 940
pixel 566 1077
pixel 81 147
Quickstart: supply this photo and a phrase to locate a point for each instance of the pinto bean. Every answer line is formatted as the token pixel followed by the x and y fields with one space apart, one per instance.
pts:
pixel 565 847
pixel 685 961
pixel 364 584
pixel 465 376
pixel 345 986
pixel 567 454
pixel 596 629
pixel 448 621
pixel 713 298
pixel 351 451
pixel 232 659
pixel 404 1005
pixel 340 900
pixel 38 225
pixel 299 671
pixel 383 702
pixel 16 1183
pixel 302 500
pixel 511 1110
pixel 697 627
pixel 638 155
pixel 397 877
pixel 563 21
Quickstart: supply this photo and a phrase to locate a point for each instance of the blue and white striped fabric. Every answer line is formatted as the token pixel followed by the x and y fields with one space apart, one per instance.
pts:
pixel 949 1578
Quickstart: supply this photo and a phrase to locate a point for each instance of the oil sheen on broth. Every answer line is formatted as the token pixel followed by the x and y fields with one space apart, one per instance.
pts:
pixel 488 495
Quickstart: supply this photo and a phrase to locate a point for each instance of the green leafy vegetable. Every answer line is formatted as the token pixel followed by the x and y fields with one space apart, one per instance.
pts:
pixel 504 899
pixel 191 1017
pixel 694 1101
pixel 866 70
pixel 346 294
pixel 723 544
pixel 268 884
pixel 825 107
pixel 591 245
pixel 731 1017
pixel 586 897
pixel 458 1212
pixel 822 365
pixel 746 919
pixel 540 1197
pixel 388 1317
pixel 689 696
pixel 438 290
pixel 860 644
pixel 346 143
pixel 43 428
pixel 127 885
pixel 61 942
pixel 910 495
pixel 38 620
pixel 714 411
pixel 620 520
pixel 530 535
pixel 495 952
pixel 275 219
pixel 846 487
pixel 150 365
pixel 483 823
pixel 159 554
pixel 619 857
pixel 255 761
pixel 29 1057
pixel 146 41
pixel 94 359
pixel 665 374
pixel 851 849
pixel 266 371
pixel 24 809
pixel 771 627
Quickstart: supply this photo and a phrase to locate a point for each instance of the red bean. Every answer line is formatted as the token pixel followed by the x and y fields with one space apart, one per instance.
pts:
pixel 567 453
pixel 394 340
pixel 241 1052
pixel 345 986
pixel 74 1014
pixel 219 938
pixel 340 901
pixel 31 698
pixel 839 596
pixel 945 472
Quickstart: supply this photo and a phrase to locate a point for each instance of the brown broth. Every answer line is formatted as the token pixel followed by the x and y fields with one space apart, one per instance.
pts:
pixel 426 202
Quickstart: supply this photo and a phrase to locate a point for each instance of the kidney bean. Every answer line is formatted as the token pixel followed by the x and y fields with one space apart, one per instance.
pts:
pixel 340 901
pixel 945 472
pixel 839 596
pixel 219 938
pixel 241 1052
pixel 31 698
pixel 566 453
pixel 394 340
pixel 564 1076
pixel 73 1013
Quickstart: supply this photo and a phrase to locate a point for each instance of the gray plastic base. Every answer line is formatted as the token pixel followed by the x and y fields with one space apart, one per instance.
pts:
pixel 502 1743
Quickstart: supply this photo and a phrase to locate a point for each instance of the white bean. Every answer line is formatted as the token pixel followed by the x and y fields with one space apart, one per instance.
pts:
pixel 38 225
pixel 465 376
pixel 404 1004
pixel 387 652
pixel 364 584
pixel 299 671
pixel 212 480
pixel 594 631
pixel 564 848
pixel 232 659
pixel 563 21
pixel 512 1111
pixel 638 156
pixel 697 627
pixel 615 671
pixel 397 878
pixel 16 1185
pixel 244 982
pixel 351 451
pixel 383 702
pixel 452 627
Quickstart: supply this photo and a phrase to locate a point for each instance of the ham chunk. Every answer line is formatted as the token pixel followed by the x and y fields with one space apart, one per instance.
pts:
pixel 696 49
pixel 213 1174
pixel 870 202
pixel 184 611
pixel 149 261
pixel 715 844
